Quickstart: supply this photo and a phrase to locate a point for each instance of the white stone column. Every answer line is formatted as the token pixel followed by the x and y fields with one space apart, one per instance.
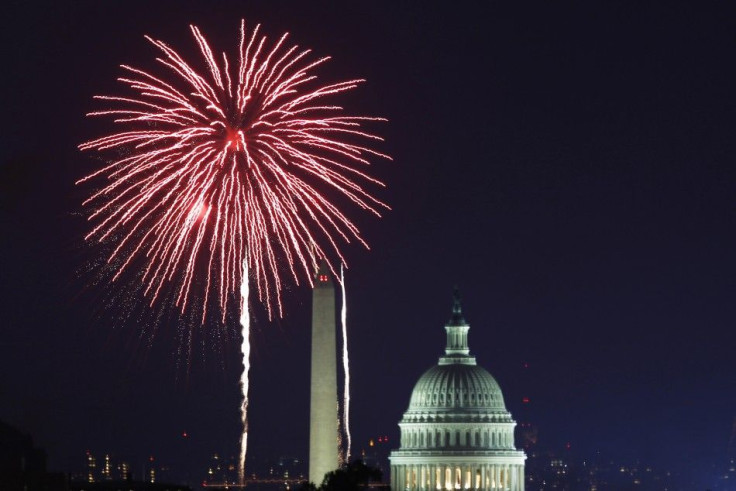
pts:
pixel 520 477
pixel 512 477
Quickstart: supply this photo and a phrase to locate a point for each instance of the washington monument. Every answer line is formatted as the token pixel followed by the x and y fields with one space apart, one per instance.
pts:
pixel 323 431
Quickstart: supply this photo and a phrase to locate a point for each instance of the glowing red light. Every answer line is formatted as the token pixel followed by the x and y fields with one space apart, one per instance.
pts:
pixel 525 400
pixel 233 139
pixel 184 434
pixel 323 278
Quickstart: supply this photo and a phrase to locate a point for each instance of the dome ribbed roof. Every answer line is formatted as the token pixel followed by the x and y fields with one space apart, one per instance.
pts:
pixel 457 386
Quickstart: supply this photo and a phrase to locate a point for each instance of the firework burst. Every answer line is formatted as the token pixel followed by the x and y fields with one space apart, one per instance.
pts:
pixel 235 163
pixel 230 171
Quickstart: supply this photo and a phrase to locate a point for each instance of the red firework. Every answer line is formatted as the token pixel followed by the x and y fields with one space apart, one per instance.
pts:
pixel 231 165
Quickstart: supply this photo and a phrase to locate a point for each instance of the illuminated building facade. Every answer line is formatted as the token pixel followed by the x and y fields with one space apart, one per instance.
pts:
pixel 124 471
pixel 457 433
pixel 323 431
pixel 107 468
pixel 91 467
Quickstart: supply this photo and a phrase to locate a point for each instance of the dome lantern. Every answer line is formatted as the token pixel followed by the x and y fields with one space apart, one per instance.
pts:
pixel 457 350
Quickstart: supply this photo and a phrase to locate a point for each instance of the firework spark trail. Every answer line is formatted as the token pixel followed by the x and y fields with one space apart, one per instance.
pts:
pixel 345 365
pixel 232 166
pixel 245 350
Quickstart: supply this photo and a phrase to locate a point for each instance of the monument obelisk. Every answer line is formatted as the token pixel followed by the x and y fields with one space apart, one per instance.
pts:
pixel 323 430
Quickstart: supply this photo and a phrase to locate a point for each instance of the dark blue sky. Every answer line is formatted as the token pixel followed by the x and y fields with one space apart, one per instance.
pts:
pixel 570 168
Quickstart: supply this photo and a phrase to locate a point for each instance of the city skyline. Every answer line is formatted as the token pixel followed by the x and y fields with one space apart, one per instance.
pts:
pixel 569 168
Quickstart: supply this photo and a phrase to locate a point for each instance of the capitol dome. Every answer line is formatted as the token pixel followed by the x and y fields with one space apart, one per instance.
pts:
pixel 456 387
pixel 457 433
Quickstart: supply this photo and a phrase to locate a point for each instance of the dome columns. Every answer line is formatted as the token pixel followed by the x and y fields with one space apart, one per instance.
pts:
pixel 451 476
pixel 470 435
pixel 457 340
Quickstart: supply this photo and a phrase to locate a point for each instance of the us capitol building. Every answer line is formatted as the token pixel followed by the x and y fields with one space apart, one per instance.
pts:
pixel 457 433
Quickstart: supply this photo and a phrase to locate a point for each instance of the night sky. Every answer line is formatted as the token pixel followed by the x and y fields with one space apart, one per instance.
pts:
pixel 569 168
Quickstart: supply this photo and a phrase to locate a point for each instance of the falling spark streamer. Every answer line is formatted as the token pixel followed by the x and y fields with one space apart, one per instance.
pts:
pixel 230 176
pixel 245 351
pixel 345 365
